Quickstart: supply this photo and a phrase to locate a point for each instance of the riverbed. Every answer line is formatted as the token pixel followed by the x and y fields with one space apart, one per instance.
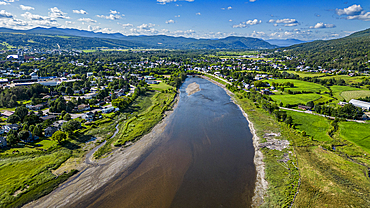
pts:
pixel 199 156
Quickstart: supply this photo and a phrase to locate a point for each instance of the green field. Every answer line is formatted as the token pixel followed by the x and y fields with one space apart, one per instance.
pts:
pixel 347 79
pixel 348 95
pixel 338 90
pixel 315 126
pixel 357 133
pixel 301 85
pixel 161 86
pixel 26 173
pixel 324 99
pixel 305 74
pixel 44 144
pixel 295 99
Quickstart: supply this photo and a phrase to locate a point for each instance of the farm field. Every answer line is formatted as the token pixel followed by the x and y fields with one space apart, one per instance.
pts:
pixel 338 90
pixel 348 95
pixel 348 79
pixel 295 99
pixel 305 74
pixel 357 133
pixel 315 126
pixel 300 86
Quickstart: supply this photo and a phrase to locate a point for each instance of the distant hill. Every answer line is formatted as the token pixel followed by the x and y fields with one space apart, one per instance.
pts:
pixel 351 52
pixel 285 42
pixel 81 39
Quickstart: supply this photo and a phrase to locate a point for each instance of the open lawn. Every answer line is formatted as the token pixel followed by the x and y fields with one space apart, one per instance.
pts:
pixel 348 95
pixel 315 126
pixel 301 85
pixel 324 99
pixel 295 99
pixel 357 133
pixel 38 145
pixel 305 74
pixel 161 86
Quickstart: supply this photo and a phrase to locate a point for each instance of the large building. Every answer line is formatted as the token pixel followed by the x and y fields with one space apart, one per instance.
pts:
pixel 360 104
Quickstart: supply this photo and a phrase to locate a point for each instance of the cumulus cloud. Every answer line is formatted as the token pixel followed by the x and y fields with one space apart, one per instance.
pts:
pixel 27 8
pixel 69 23
pixel 127 25
pixel 247 23
pixel 57 13
pixel 3 3
pixel 229 8
pixel 252 0
pixel 93 28
pixel 177 16
pixel 170 21
pixel 146 26
pixel 113 12
pixel 285 22
pixel 80 11
pixel 86 20
pixel 321 25
pixel 169 1
pixel 198 13
pixel 354 12
pixel 5 14
pixel 111 16
pixel 30 16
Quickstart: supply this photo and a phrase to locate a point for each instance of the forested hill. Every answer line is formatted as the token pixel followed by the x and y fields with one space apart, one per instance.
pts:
pixel 350 52
pixel 50 38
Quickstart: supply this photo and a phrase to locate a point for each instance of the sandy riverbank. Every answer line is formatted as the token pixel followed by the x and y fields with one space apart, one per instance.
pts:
pixel 96 175
pixel 261 183
pixel 192 88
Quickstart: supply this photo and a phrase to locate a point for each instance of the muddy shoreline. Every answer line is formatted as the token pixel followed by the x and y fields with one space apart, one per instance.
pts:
pixel 97 174
pixel 261 183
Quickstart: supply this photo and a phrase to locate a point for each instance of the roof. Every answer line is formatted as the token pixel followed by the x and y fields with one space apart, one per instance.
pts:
pixel 47 117
pixel 360 103
pixel 7 113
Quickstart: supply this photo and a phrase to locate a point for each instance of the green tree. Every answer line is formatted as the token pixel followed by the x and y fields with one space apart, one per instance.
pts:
pixel 23 135
pixel 12 139
pixel 59 136
pixel 37 131
pixel 13 119
pixel 67 117
pixel 21 111
pixel 69 91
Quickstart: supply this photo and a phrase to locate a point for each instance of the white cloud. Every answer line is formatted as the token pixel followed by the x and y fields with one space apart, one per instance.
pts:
pixel 350 11
pixel 28 8
pixel 321 25
pixel 169 1
pixel 286 22
pixel 252 0
pixel 5 14
pixel 3 3
pixel 57 13
pixel 229 8
pixel 198 13
pixel 177 16
pixel 111 17
pixel 86 20
pixel 127 25
pixel 69 23
pixel 93 28
pixel 10 0
pixel 146 26
pixel 113 12
pixel 354 12
pixel 80 11
pixel 30 16
pixel 170 21
pixel 248 23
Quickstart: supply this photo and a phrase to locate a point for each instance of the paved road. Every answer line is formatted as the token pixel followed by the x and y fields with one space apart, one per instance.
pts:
pixel 310 112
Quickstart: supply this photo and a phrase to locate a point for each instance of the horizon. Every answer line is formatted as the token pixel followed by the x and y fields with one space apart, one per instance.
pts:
pixel 199 19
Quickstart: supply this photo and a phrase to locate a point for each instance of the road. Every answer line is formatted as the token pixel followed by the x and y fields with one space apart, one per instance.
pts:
pixel 310 112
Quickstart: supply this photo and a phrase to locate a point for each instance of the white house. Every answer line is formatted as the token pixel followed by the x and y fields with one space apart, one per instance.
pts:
pixel 360 104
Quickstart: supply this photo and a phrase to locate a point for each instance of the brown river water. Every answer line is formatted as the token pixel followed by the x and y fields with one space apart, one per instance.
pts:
pixel 205 159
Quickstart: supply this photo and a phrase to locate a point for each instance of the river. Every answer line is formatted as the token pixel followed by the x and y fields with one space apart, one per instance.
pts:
pixel 204 159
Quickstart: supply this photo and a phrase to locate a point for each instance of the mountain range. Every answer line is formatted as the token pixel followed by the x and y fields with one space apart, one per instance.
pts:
pixel 49 38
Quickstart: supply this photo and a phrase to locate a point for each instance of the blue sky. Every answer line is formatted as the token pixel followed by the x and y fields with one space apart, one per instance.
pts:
pixel 266 19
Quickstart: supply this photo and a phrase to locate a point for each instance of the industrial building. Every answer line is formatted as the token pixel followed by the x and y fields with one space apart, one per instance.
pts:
pixel 360 104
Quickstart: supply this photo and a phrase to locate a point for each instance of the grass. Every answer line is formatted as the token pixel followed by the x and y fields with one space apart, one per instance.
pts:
pixel 301 85
pixel 348 95
pixel 160 86
pixel 36 146
pixel 305 74
pixel 295 99
pixel 146 112
pixel 27 173
pixel 324 99
pixel 338 90
pixel 215 79
pixel 347 79
pixel 357 133
pixel 315 126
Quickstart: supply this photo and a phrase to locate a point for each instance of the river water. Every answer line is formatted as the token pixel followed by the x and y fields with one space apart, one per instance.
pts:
pixel 204 159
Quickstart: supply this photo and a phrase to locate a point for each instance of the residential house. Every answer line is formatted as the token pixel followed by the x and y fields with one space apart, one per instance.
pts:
pixel 108 110
pixel 49 117
pixel 83 107
pixel 303 107
pixel 7 114
pixel 9 127
pixel 50 131
pixel 3 142
pixel 89 116
pixel 58 124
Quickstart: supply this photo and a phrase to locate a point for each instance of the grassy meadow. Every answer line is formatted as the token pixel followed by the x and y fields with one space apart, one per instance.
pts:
pixel 300 86
pixel 160 86
pixel 295 99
